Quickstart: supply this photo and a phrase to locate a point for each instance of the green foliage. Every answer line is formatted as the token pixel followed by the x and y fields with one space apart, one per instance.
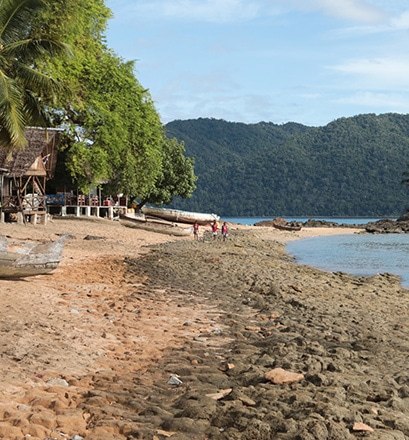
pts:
pixel 24 89
pixel 114 131
pixel 350 167
pixel 176 178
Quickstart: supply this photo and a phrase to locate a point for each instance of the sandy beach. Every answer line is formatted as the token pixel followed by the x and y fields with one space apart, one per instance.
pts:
pixel 138 335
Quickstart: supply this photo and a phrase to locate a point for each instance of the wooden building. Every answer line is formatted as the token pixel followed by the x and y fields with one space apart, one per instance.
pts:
pixel 24 173
pixel 23 178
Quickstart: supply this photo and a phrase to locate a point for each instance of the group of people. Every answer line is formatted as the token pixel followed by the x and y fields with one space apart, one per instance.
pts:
pixel 215 229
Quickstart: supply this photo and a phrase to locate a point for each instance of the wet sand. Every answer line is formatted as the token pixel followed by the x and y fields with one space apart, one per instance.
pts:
pixel 141 335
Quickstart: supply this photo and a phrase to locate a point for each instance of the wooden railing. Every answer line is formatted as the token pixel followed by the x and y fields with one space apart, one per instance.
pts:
pixel 28 203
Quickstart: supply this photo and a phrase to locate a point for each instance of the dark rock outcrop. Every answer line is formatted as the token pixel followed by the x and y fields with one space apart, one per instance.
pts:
pixel 388 226
pixel 311 223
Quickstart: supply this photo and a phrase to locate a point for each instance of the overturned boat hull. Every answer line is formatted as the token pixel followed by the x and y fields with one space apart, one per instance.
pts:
pixel 19 260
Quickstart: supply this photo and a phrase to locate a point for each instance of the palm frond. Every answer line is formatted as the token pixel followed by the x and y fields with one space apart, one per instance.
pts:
pixel 36 114
pixel 14 16
pixel 12 118
pixel 24 91
pixel 36 81
pixel 29 49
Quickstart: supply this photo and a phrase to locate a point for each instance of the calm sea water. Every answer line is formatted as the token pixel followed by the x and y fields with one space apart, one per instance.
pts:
pixel 357 254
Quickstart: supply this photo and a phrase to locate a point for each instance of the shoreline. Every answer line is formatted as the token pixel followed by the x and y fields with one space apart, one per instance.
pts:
pixel 89 350
pixel 285 236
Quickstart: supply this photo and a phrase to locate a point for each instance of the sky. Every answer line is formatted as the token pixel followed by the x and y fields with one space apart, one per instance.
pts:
pixel 305 61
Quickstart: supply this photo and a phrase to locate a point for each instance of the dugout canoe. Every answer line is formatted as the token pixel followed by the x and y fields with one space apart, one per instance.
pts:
pixel 152 225
pixel 288 227
pixel 176 215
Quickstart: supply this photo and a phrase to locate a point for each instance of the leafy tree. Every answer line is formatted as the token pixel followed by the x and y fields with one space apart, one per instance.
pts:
pixel 176 178
pixel 114 134
pixel 117 138
pixel 23 88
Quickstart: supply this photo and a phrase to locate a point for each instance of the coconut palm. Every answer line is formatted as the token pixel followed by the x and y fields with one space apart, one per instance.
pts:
pixel 24 90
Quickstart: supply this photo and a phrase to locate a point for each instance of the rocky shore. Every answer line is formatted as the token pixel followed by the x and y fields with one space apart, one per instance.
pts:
pixel 203 339
pixel 311 223
pixel 346 336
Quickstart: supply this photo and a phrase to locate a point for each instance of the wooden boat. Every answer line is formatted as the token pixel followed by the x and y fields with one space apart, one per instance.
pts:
pixel 19 260
pixel 280 223
pixel 178 216
pixel 288 227
pixel 283 225
pixel 152 225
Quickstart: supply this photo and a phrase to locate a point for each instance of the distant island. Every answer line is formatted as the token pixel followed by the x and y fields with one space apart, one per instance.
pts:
pixel 351 167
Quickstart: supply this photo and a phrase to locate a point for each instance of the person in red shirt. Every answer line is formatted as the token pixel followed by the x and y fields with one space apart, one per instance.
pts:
pixel 214 230
pixel 196 231
pixel 225 231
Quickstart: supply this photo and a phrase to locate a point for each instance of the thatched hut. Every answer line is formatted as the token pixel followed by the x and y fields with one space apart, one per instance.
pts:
pixel 24 173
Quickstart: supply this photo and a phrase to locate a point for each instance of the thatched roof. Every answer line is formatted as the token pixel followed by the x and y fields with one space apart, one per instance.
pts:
pixel 41 142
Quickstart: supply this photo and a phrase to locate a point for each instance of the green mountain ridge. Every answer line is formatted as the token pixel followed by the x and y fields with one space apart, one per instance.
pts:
pixel 351 167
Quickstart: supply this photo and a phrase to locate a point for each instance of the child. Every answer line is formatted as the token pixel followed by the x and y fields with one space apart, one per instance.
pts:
pixel 224 231
pixel 214 230
pixel 196 231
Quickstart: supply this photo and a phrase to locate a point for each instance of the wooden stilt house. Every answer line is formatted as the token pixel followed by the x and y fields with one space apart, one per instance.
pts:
pixel 24 173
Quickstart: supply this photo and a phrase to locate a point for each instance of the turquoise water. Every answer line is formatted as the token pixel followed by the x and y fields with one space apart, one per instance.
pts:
pixel 357 254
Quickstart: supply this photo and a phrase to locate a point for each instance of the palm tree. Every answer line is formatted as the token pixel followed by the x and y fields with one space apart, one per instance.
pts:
pixel 24 90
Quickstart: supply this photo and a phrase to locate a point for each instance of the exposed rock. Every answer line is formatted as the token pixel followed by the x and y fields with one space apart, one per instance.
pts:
pixel 219 395
pixel 388 227
pixel 279 222
pixel 359 426
pixel 312 223
pixel 280 376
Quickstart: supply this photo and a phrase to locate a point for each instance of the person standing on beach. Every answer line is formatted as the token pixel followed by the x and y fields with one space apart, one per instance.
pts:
pixel 225 231
pixel 196 230
pixel 214 229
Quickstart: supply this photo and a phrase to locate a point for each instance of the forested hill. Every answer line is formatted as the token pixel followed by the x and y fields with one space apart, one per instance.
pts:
pixel 350 167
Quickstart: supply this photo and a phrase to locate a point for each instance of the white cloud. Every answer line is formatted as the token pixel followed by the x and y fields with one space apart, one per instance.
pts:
pixel 395 102
pixel 381 73
pixel 196 10
pixel 401 21
pixel 354 10
pixel 211 10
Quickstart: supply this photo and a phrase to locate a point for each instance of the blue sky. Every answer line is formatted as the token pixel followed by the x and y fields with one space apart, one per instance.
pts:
pixel 306 61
